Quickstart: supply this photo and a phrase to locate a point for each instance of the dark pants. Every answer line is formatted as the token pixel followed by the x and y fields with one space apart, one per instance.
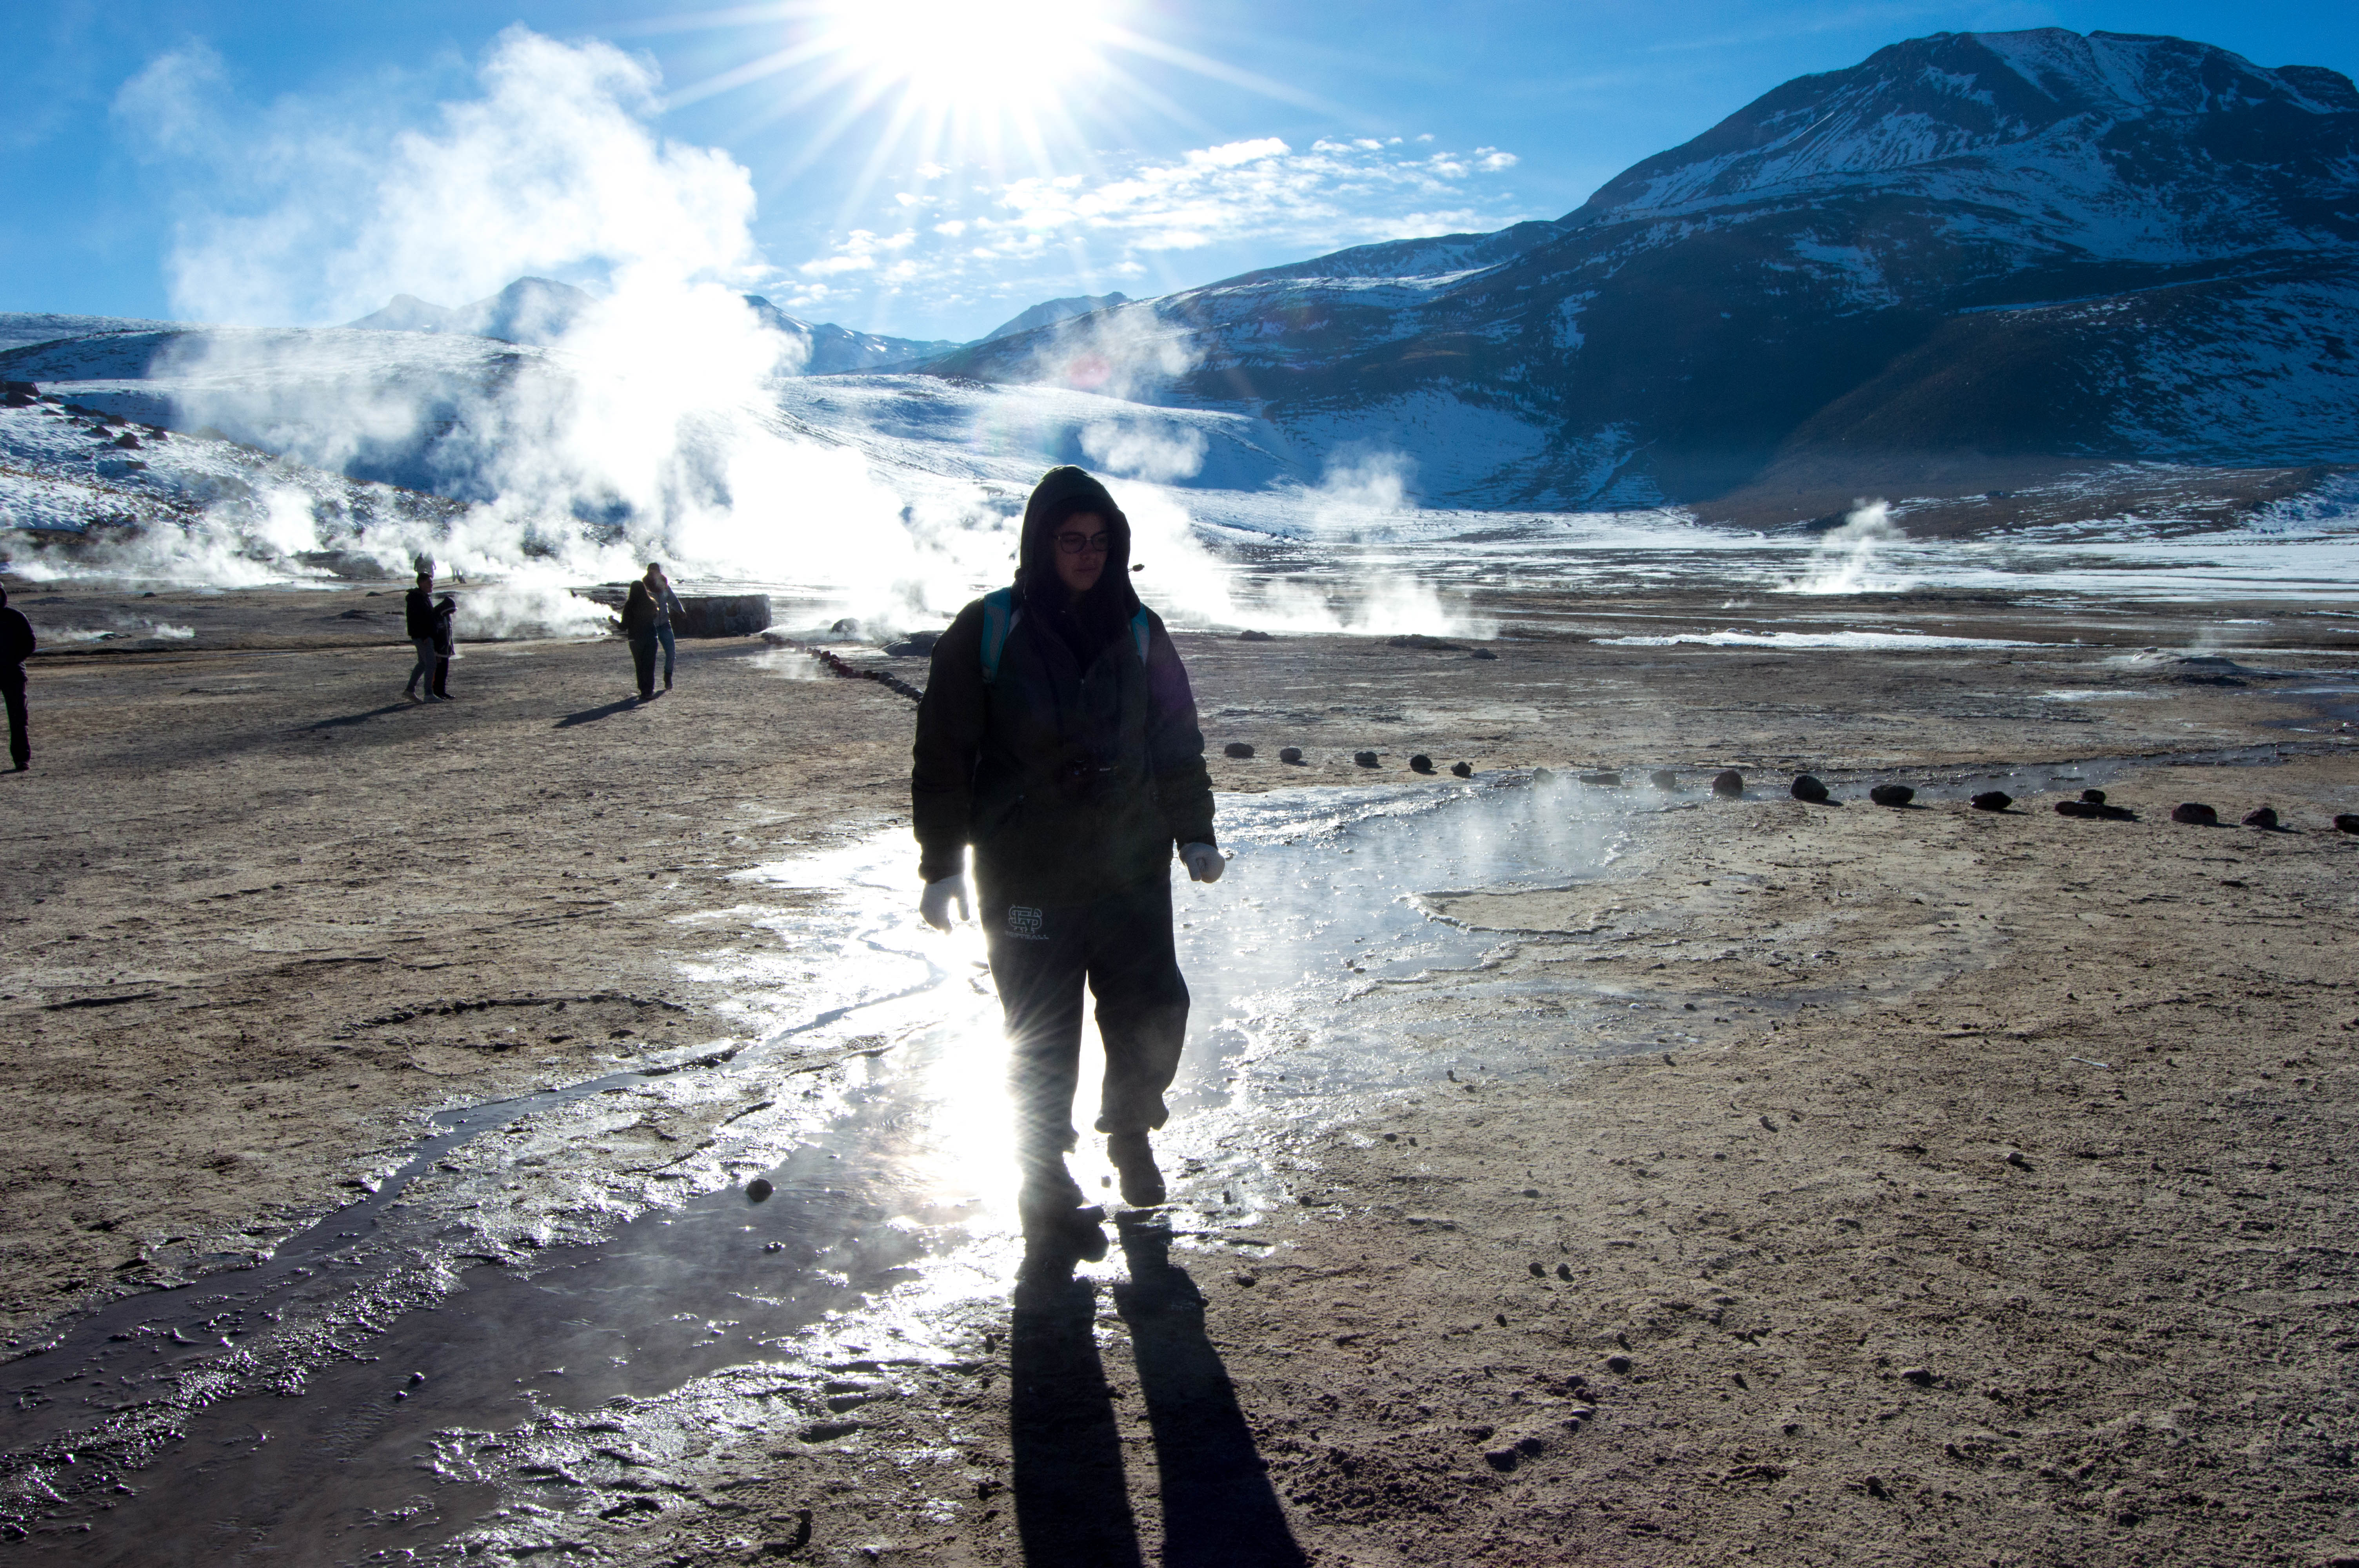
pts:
pixel 1039 959
pixel 11 688
pixel 433 668
pixel 663 635
pixel 643 660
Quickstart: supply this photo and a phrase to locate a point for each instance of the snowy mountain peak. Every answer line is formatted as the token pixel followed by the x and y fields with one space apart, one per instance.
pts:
pixel 2074 123
pixel 537 310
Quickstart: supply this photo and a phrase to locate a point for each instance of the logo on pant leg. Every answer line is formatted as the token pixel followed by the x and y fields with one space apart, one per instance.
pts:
pixel 1025 924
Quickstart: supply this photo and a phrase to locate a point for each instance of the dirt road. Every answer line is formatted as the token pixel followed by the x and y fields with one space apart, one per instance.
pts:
pixel 1991 1204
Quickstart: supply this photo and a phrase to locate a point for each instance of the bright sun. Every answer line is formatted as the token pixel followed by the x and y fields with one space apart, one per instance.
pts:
pixel 971 55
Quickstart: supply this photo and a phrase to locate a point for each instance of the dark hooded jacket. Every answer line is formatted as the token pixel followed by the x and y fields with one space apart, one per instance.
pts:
pixel 16 643
pixel 1077 770
pixel 638 612
pixel 418 614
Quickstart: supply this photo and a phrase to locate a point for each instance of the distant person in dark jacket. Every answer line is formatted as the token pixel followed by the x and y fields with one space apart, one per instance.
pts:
pixel 667 605
pixel 639 630
pixel 1057 736
pixel 15 647
pixel 446 643
pixel 418 624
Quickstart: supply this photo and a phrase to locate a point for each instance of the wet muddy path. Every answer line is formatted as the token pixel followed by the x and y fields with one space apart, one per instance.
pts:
pixel 561 1303
pixel 491 1319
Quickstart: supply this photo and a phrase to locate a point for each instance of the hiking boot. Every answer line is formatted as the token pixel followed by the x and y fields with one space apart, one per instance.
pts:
pixel 1050 1203
pixel 1134 1161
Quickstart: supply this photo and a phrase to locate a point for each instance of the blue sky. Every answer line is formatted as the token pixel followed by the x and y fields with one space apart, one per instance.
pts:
pixel 299 164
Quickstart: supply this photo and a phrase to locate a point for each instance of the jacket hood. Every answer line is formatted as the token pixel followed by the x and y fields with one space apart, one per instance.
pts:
pixel 1062 492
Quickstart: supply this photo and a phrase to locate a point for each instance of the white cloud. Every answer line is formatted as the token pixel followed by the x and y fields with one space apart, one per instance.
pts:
pixel 1070 232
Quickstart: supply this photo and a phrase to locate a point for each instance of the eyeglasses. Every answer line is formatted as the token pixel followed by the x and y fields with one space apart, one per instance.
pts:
pixel 1092 543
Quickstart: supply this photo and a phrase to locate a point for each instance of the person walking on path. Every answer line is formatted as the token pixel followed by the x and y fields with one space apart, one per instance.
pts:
pixel 1057 737
pixel 15 647
pixel 446 644
pixel 667 605
pixel 639 629
pixel 418 625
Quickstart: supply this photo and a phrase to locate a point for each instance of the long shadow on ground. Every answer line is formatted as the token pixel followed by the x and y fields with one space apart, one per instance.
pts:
pixel 592 715
pixel 1219 1508
pixel 1071 1505
pixel 344 720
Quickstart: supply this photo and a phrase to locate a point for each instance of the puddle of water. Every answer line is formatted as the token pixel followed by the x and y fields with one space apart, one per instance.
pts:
pixel 238 1401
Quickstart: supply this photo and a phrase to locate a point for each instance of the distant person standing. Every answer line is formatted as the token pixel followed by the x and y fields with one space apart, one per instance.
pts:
pixel 417 624
pixel 639 614
pixel 15 647
pixel 667 605
pixel 446 643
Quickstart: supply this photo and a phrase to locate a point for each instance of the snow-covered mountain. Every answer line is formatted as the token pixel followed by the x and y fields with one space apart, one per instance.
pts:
pixel 529 310
pixel 1969 248
pixel 829 349
pixel 1049 311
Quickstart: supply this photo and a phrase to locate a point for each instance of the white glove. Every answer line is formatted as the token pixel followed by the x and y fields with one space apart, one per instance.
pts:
pixel 935 905
pixel 1203 862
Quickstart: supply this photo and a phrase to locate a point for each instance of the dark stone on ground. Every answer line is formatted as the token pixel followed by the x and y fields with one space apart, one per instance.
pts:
pixel 1237 749
pixel 1892 794
pixel 2195 814
pixel 1463 770
pixel 2093 797
pixel 1992 800
pixel 2347 822
pixel 1421 763
pixel 916 645
pixel 2267 816
pixel 1607 778
pixel 1419 639
pixel 1920 1376
pixel 1617 1363
pixel 1482 653
pixel 1543 775
pixel 723 615
pixel 1808 788
pixel 757 1189
pixel 1365 759
pixel 1663 778
pixel 1728 784
pixel 2075 808
pixel 1255 637
pixel 1289 753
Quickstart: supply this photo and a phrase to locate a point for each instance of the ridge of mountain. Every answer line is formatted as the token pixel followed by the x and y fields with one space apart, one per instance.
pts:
pixel 1049 311
pixel 829 349
pixel 24 328
pixel 540 312
pixel 1969 247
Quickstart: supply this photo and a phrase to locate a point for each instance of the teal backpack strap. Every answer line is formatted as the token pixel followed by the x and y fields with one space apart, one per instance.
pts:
pixel 999 613
pixel 1138 631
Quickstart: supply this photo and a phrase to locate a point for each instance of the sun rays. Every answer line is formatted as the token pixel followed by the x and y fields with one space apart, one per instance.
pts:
pixel 1010 89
